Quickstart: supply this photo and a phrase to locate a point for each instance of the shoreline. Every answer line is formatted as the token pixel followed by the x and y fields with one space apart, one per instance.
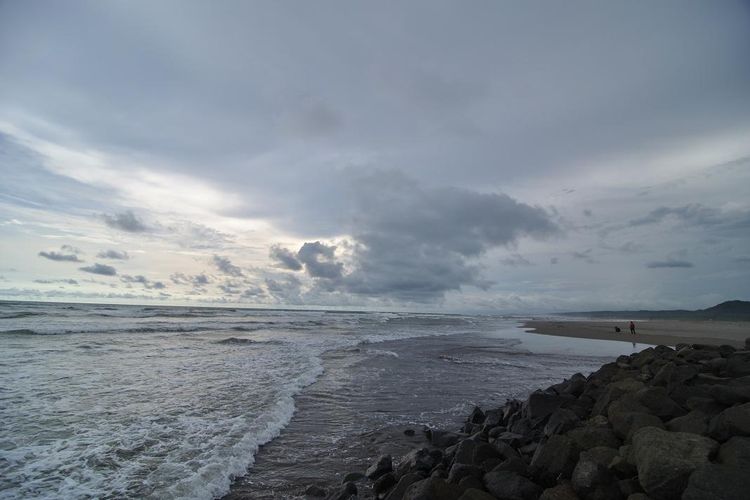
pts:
pixel 659 424
pixel 654 332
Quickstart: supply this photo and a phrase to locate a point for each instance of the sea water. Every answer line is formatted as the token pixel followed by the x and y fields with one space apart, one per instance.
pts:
pixel 103 401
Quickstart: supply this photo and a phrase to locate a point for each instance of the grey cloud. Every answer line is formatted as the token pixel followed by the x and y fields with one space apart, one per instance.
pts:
pixel 142 280
pixel 319 260
pixel 586 256
pixel 669 263
pixel 694 213
pixel 415 243
pixel 113 254
pixel 102 269
pixel 199 237
pixel 63 281
pixel 515 260
pixel 197 281
pixel 231 287
pixel 59 256
pixel 224 265
pixel 285 289
pixel 125 221
pixel 285 258
pixel 254 292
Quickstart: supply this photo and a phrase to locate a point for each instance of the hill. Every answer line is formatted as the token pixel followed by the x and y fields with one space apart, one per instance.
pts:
pixel 731 310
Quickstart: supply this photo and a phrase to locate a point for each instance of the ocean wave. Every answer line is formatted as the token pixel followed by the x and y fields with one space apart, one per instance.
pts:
pixel 21 314
pixel 20 331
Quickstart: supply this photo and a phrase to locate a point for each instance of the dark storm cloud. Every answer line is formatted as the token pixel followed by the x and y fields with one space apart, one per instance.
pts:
pixel 125 221
pixel 319 260
pixel 113 254
pixel 102 269
pixel 224 265
pixel 669 263
pixel 416 243
pixel 285 258
pixel 142 280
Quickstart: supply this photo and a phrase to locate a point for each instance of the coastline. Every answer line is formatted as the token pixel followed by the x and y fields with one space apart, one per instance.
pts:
pixel 662 423
pixel 654 332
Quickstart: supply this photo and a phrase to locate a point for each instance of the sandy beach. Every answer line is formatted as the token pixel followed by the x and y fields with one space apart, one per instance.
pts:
pixel 666 332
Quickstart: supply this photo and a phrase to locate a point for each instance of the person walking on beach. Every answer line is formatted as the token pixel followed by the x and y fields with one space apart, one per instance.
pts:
pixel 632 328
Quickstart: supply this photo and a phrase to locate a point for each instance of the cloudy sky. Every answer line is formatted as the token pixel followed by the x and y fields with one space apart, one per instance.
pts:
pixel 480 156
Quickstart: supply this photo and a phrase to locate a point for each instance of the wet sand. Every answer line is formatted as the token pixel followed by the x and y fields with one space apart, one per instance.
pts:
pixel 666 332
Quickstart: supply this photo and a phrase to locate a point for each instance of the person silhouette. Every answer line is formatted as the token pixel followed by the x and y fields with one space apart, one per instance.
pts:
pixel 632 328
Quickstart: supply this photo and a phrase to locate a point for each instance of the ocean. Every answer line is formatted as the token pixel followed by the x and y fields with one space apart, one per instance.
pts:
pixel 115 401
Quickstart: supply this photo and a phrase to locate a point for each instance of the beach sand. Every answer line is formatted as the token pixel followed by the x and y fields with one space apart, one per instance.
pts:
pixel 666 332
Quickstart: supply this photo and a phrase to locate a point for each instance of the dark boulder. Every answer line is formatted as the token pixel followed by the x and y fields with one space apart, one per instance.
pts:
pixel 592 477
pixel 516 465
pixel 613 392
pixel 419 460
pixel 541 404
pixel 561 421
pixel 735 452
pixel 384 483
pixel 511 486
pixel 563 491
pixel 558 456
pixel 403 484
pixel 730 395
pixel 734 421
pixel 432 488
pixel 628 423
pixel 695 422
pixel 345 492
pixel 590 436
pixel 476 494
pixel 476 417
pixel 460 471
pixel 315 491
pixel 352 477
pixel 738 364
pixel 382 465
pixel 672 374
pixel 718 482
pixel 465 452
pixel 443 439
pixel 658 402
pixel 665 459
pixel 483 451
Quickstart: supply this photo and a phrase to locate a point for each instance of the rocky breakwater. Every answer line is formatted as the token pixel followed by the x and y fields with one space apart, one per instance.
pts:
pixel 660 424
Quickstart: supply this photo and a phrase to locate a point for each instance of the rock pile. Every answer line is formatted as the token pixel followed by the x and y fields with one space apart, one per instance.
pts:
pixel 660 424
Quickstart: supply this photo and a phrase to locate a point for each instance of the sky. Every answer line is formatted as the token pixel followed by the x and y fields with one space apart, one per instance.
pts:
pixel 428 155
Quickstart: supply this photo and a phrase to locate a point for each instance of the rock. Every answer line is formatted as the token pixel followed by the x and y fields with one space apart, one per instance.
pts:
pixel 627 424
pixel 476 494
pixel 440 472
pixel 516 465
pixel 658 402
pixel 665 459
pixel 403 484
pixel 384 483
pixel 734 421
pixel 382 465
pixel 558 456
pixel 460 471
pixel 561 421
pixel 315 491
pixel 345 492
pixel 629 486
pixel 622 468
pixel 505 450
pixel 738 364
pixel 471 482
pixel 709 406
pixel 465 452
pixel 419 460
pixel 432 488
pixel 541 404
pixel 735 452
pixel 644 357
pixel 718 482
pixel 613 392
pixel 443 439
pixel 562 491
pixel 672 374
pixel 493 418
pixel 409 432
pixel 476 417
pixel 591 477
pixel 511 486
pixel 730 395
pixel 353 477
pixel 695 422
pixel 588 437
pixel 482 452
pixel 511 438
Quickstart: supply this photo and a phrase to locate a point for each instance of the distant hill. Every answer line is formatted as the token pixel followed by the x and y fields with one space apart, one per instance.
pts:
pixel 732 310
